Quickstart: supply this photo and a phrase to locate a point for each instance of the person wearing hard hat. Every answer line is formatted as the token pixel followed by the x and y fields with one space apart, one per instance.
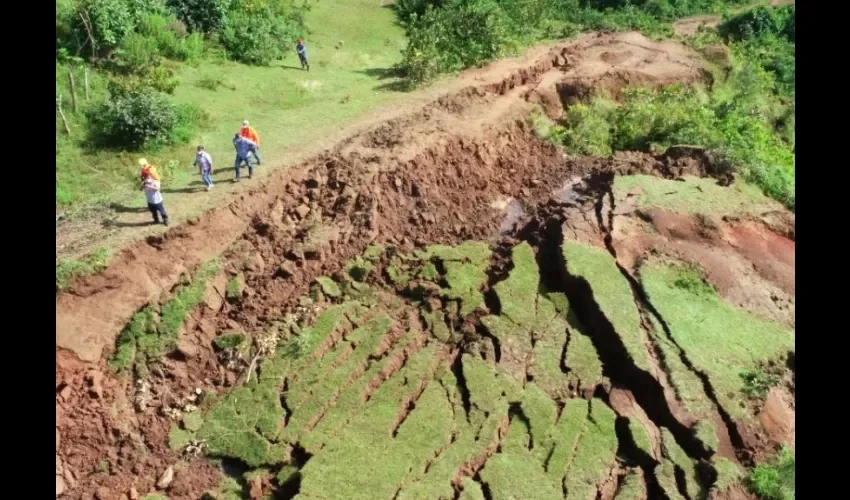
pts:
pixel 248 133
pixel 151 187
pixel 147 169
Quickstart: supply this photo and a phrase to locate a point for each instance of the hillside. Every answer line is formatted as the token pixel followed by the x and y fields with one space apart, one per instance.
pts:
pixel 568 274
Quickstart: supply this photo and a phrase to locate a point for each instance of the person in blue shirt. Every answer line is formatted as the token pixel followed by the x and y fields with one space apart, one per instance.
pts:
pixel 243 153
pixel 302 54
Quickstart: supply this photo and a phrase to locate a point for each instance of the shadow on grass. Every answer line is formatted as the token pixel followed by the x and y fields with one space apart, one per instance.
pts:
pixel 123 209
pixel 110 224
pixel 397 85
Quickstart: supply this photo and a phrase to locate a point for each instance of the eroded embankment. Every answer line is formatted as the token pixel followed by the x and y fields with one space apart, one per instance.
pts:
pixel 477 124
pixel 467 356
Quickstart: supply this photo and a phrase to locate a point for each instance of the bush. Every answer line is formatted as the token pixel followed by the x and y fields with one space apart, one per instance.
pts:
pixel 588 128
pixel 107 21
pixel 760 21
pixel 454 37
pixel 257 36
pixel 408 9
pixel 775 480
pixel 206 16
pixel 133 118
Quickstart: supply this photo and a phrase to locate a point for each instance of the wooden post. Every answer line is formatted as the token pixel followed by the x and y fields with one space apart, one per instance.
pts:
pixel 86 76
pixel 73 90
pixel 62 114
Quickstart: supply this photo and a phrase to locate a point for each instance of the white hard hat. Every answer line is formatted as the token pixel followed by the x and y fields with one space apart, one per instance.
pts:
pixel 244 123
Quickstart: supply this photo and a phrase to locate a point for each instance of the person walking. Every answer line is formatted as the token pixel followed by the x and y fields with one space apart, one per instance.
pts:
pixel 243 153
pixel 151 187
pixel 249 134
pixel 204 162
pixel 302 54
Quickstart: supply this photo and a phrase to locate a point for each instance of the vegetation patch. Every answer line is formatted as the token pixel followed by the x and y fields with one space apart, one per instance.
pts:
pixel 699 322
pixel 775 480
pixel 67 269
pixel 693 196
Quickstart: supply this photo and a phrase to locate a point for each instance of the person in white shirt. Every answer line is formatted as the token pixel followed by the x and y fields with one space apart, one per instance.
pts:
pixel 151 186
pixel 204 162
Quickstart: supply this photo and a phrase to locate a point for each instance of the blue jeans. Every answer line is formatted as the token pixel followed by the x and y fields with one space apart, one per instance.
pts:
pixel 238 165
pixel 256 152
pixel 206 177
pixel 158 209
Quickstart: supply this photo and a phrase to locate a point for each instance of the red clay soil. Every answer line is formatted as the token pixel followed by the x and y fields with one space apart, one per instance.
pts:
pixel 432 177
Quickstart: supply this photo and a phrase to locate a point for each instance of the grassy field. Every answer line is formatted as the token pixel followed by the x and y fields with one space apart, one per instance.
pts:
pixel 287 106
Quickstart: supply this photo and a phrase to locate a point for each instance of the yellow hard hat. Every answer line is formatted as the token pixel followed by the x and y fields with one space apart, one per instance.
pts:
pixel 143 162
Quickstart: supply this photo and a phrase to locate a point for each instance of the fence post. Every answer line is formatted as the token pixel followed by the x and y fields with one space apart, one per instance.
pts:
pixel 62 114
pixel 73 90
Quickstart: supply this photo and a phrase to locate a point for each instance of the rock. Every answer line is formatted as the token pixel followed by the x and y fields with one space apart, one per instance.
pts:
pixel 58 439
pixel 302 211
pixel 397 182
pixel 134 494
pixel 256 264
pixel 60 485
pixel 70 480
pixel 287 269
pixel 58 466
pixel 103 493
pixel 187 348
pixel 166 478
pixel 525 192
pixel 123 497
pixel 65 393
pixel 535 182
pixel 214 297
pixel 95 381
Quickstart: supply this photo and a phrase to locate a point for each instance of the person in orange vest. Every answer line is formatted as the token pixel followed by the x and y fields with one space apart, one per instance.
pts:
pixel 248 133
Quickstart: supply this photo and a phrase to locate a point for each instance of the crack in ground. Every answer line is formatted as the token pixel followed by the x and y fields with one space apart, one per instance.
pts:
pixel 617 364
pixel 640 295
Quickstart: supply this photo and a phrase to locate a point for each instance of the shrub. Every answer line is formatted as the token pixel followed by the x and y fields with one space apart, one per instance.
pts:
pixel 104 21
pixel 588 128
pixel 205 16
pixel 775 480
pixel 454 37
pixel 407 9
pixel 257 36
pixel 760 21
pixel 133 118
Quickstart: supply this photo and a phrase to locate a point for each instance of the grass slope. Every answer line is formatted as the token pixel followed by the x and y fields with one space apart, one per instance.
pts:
pixel 287 106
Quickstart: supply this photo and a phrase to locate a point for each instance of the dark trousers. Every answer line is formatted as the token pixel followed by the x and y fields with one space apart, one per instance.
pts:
pixel 303 59
pixel 157 209
pixel 238 165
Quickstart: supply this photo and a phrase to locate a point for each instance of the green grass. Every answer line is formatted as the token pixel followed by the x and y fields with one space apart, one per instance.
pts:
pixel 673 452
pixel 66 270
pixel 288 107
pixel 234 287
pixel 775 480
pixel 700 322
pixel 595 451
pixel 727 474
pixel 694 196
pixel 641 436
pixel 757 383
pixel 514 473
pixel 632 487
pixel 706 432
pixel 612 292
pixel 329 286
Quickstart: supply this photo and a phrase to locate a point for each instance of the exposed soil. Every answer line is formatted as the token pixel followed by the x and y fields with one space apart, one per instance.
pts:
pixel 467 166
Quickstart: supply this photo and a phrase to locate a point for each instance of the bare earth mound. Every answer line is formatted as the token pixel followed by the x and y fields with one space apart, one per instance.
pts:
pixel 445 306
